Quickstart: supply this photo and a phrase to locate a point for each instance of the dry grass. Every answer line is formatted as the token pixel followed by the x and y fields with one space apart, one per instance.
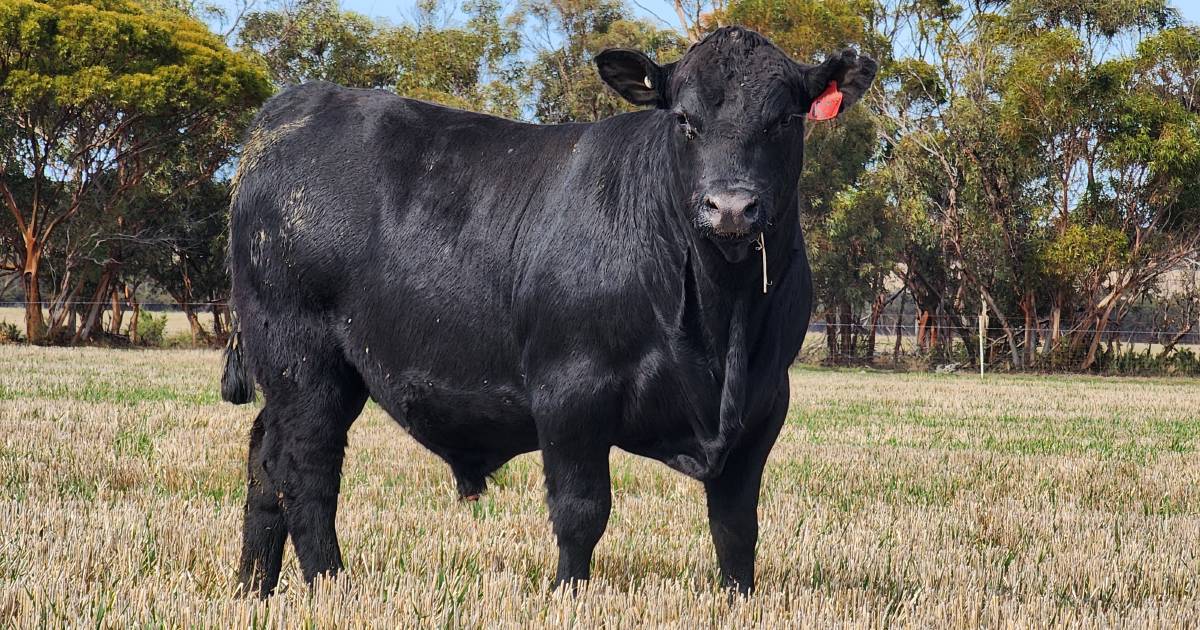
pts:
pixel 912 500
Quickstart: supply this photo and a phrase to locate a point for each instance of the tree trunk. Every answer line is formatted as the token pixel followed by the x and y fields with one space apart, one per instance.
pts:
pixel 1008 331
pixel 1101 324
pixel 1170 345
pixel 899 331
pixel 1055 325
pixel 847 332
pixel 831 332
pixel 185 301
pixel 935 337
pixel 1030 309
pixel 96 307
pixel 62 308
pixel 118 311
pixel 876 313
pixel 131 297
pixel 35 324
pixel 218 324
pixel 194 324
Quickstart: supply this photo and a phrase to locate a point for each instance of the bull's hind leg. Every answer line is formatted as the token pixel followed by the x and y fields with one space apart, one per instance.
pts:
pixel 263 527
pixel 296 465
pixel 308 472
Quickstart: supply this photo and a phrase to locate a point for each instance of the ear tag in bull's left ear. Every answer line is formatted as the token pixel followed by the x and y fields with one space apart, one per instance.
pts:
pixel 826 106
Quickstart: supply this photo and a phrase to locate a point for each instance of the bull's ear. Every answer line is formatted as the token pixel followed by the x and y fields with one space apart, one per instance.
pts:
pixel 634 76
pixel 838 83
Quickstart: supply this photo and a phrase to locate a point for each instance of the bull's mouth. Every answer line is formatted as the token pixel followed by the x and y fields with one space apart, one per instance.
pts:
pixel 727 236
pixel 731 237
pixel 735 237
pixel 735 247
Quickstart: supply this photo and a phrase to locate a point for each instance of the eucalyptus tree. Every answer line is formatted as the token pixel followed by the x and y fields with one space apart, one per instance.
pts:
pixel 92 94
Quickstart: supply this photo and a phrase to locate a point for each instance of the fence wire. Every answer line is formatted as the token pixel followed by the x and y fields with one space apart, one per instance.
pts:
pixel 894 342
pixel 952 347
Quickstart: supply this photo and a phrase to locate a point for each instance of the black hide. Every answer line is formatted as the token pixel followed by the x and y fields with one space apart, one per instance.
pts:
pixel 500 287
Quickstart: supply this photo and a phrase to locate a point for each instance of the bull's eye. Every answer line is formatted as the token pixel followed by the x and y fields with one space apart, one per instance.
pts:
pixel 782 123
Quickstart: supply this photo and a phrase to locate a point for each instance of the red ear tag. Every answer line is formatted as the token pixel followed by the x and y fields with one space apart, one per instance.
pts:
pixel 827 104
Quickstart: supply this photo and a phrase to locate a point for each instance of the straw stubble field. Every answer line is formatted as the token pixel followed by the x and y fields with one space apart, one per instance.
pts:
pixel 925 500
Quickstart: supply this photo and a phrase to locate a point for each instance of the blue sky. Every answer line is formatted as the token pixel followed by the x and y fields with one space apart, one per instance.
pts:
pixel 1190 10
pixel 401 10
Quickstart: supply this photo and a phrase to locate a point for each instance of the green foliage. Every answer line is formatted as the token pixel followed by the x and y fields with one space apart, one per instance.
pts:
pixel 9 333
pixel 96 98
pixel 151 328
pixel 1106 18
pixel 914 83
pixel 178 340
pixel 805 29
pixel 317 41
pixel 563 77
pixel 1085 251
pixel 113 60
pixel 854 247
pixel 1146 362
pixel 472 67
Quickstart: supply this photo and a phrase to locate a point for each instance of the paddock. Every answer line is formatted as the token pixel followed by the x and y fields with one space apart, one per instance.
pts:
pixel 892 498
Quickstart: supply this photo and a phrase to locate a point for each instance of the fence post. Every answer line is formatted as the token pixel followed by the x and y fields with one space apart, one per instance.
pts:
pixel 982 330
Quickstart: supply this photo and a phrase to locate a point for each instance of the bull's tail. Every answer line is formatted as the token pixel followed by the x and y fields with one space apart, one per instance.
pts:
pixel 237 384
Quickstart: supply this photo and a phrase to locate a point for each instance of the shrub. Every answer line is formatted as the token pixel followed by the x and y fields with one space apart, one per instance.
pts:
pixel 151 329
pixel 1179 362
pixel 9 333
pixel 182 339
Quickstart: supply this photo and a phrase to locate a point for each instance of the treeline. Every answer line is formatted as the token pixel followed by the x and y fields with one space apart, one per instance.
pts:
pixel 1036 160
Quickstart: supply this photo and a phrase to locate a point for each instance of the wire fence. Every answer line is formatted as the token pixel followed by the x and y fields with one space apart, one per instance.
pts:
pixel 897 341
pixel 151 305
pixel 952 347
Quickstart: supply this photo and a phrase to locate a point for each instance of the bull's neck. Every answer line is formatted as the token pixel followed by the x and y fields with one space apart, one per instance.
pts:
pixel 725 310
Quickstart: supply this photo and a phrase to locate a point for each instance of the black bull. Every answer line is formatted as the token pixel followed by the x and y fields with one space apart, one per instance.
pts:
pixel 500 287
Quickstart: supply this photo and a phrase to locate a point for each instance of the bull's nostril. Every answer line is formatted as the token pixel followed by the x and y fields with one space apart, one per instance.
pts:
pixel 751 211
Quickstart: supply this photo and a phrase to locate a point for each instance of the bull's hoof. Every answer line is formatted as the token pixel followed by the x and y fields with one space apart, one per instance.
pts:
pixel 470 498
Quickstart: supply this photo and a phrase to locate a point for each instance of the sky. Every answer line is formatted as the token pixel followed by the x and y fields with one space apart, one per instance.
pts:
pixel 398 11
pixel 402 10
pixel 1190 10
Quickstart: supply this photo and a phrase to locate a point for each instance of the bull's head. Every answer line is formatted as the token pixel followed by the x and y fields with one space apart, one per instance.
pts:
pixel 737 105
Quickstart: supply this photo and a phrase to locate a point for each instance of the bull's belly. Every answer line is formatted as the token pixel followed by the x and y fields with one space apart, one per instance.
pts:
pixel 476 404
pixel 488 420
pixel 494 423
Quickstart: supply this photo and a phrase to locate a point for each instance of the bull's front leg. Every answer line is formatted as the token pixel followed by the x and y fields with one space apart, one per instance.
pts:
pixel 579 498
pixel 733 501
pixel 573 434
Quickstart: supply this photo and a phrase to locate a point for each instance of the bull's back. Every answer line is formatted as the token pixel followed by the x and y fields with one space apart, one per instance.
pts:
pixel 342 191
